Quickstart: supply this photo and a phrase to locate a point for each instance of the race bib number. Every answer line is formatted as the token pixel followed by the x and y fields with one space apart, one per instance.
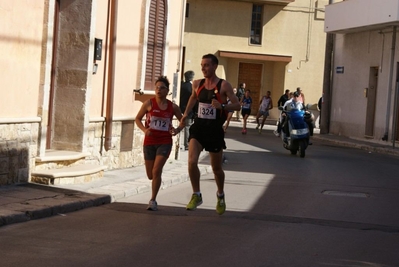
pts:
pixel 206 111
pixel 246 106
pixel 160 124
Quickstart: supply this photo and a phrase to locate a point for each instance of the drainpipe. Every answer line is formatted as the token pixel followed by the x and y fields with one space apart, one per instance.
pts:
pixel 385 138
pixel 308 36
pixel 111 76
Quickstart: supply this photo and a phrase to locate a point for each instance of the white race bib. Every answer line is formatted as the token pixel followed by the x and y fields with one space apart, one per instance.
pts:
pixel 160 124
pixel 246 106
pixel 206 111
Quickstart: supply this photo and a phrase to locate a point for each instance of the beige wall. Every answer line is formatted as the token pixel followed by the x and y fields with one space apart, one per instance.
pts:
pixel 129 69
pixel 20 57
pixel 26 43
pixel 294 30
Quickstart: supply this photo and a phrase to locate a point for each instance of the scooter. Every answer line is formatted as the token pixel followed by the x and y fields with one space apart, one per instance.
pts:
pixel 295 134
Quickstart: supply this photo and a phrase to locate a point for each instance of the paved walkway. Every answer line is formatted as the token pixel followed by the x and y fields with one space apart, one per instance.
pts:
pixel 20 203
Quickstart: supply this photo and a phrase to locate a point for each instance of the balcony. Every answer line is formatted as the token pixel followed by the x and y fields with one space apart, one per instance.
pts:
pixel 361 15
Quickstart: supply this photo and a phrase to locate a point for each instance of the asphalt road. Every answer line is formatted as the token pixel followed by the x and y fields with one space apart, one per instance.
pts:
pixel 335 207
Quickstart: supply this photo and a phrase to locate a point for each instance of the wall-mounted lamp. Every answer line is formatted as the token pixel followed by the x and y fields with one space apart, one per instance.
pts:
pixel 138 91
pixel 98 47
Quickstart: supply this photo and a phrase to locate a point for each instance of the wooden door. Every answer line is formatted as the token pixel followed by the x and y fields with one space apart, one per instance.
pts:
pixel 251 75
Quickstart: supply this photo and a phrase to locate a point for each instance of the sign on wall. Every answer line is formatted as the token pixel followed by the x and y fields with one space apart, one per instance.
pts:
pixel 339 69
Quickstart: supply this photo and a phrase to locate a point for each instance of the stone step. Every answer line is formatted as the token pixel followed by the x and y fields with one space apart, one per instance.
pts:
pixel 61 155
pixel 76 174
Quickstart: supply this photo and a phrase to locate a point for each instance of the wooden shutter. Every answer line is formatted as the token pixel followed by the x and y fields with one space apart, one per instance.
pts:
pixel 156 42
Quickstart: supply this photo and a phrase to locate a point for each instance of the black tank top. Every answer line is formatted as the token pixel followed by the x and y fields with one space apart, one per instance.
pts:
pixel 206 95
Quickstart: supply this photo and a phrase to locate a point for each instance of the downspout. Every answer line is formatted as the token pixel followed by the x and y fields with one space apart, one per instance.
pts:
pixel 390 84
pixel 111 76
pixel 308 36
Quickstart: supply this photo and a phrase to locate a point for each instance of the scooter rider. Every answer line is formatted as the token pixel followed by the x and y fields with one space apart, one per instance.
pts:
pixel 294 103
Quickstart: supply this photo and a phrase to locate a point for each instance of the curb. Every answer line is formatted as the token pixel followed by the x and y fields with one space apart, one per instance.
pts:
pixel 32 209
pixel 361 146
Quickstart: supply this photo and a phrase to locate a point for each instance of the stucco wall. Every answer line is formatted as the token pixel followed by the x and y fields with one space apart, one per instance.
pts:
pixel 20 57
pixel 357 52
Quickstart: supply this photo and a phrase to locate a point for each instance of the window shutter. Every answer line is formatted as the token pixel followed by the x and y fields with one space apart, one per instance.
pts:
pixel 156 42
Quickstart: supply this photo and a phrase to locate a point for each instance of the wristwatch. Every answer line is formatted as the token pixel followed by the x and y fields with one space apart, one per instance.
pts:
pixel 223 105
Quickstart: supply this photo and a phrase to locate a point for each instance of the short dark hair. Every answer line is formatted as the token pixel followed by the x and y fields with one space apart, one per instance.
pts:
pixel 189 75
pixel 163 79
pixel 287 90
pixel 296 93
pixel 212 57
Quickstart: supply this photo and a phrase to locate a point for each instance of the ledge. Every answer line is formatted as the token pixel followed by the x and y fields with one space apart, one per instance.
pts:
pixel 61 155
pixel 78 170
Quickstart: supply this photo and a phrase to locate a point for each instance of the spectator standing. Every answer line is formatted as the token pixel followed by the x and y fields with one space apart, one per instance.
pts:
pixel 280 103
pixel 301 97
pixel 185 93
pixel 283 98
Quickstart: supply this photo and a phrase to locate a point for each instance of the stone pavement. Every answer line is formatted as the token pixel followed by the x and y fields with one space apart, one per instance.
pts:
pixel 20 203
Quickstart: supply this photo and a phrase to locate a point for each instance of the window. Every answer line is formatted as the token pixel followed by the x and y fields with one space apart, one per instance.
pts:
pixel 256 25
pixel 155 43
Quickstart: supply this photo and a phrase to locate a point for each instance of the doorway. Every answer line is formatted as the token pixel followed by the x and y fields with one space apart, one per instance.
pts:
pixel 68 97
pixel 251 75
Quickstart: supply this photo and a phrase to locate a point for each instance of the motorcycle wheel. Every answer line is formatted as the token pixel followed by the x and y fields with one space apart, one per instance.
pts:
pixel 302 148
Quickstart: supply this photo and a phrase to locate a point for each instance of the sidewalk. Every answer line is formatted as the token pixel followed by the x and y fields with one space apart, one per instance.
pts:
pixel 20 203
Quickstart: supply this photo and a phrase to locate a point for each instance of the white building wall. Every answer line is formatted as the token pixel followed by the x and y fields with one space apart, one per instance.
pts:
pixel 357 52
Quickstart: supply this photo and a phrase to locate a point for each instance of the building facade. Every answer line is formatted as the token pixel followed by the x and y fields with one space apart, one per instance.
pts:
pixel 269 45
pixel 365 68
pixel 74 74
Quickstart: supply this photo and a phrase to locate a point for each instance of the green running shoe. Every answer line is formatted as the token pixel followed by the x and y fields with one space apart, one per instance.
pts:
pixel 195 201
pixel 221 205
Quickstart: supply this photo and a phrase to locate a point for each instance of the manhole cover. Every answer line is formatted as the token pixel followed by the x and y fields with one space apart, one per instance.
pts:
pixel 345 194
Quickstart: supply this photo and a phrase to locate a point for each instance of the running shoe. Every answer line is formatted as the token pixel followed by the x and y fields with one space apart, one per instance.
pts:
pixel 152 205
pixel 195 201
pixel 220 205
pixel 260 131
pixel 276 133
pixel 257 127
